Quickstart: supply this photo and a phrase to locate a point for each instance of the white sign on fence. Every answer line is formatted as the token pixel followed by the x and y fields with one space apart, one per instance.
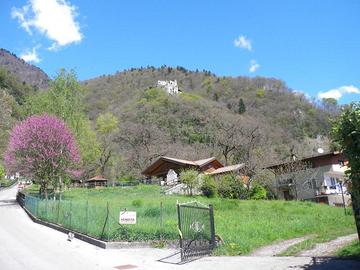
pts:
pixel 127 217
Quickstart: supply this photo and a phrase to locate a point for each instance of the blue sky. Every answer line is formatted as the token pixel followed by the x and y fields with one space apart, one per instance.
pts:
pixel 312 45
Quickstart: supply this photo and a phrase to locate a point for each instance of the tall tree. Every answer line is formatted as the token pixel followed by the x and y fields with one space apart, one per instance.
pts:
pixel 65 100
pixel 346 134
pixel 43 148
pixel 6 120
pixel 106 127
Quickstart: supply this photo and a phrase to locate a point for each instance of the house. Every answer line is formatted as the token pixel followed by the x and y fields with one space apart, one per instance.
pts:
pixel 318 178
pixel 171 87
pixel 168 168
pixel 96 182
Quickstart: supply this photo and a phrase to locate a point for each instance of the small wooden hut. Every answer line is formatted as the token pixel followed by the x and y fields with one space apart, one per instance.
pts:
pixel 96 182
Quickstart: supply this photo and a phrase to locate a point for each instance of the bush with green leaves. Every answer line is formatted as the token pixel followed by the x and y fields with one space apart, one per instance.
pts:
pixel 232 186
pixel 257 192
pixel 2 172
pixel 208 187
pixel 190 178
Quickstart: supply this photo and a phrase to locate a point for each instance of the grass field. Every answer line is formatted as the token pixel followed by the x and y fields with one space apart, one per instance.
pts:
pixel 243 225
pixel 352 250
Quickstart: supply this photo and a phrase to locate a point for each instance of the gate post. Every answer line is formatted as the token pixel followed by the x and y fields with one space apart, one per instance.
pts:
pixel 180 233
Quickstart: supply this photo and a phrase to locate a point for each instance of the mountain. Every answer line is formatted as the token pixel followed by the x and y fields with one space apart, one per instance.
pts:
pixel 211 116
pixel 24 72
pixel 237 119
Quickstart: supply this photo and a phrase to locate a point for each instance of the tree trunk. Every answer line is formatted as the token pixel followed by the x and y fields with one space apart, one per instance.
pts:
pixel 355 198
pixel 46 191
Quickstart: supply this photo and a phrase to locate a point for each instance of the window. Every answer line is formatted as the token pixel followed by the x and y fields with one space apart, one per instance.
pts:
pixel 333 183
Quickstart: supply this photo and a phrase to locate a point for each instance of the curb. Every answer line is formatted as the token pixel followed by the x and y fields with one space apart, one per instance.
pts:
pixel 77 235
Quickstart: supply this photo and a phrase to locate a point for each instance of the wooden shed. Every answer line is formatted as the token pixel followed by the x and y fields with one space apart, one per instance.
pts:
pixel 96 182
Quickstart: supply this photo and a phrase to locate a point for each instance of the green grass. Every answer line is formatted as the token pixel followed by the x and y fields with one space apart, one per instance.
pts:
pixel 243 225
pixel 352 250
pixel 6 183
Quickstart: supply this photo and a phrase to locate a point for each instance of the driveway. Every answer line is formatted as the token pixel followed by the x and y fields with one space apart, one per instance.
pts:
pixel 27 245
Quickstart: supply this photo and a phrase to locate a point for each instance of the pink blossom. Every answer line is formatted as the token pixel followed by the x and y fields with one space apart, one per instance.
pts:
pixel 41 146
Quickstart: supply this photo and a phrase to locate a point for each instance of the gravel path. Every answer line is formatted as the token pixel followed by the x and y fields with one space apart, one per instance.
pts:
pixel 277 248
pixel 328 248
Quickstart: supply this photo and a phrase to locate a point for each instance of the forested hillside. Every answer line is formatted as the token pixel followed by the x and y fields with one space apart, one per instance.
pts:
pixel 258 120
pixel 24 72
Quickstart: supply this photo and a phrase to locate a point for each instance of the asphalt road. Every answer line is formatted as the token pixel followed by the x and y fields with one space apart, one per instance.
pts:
pixel 27 245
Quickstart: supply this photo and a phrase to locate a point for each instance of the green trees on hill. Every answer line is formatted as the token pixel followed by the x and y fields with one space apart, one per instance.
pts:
pixel 10 84
pixel 229 118
pixel 64 99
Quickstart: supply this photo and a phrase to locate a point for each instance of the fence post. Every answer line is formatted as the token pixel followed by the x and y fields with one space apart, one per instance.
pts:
pixel 106 220
pixel 37 206
pixel 87 218
pixel 180 232
pixel 70 214
pixel 46 209
pixel 212 225
pixel 161 221
pixel 58 212
pixel 108 223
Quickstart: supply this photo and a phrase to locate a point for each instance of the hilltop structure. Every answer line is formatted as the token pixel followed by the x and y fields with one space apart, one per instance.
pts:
pixel 171 87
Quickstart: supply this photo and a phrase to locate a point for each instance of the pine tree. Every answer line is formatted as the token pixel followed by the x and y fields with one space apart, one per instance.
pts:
pixel 242 107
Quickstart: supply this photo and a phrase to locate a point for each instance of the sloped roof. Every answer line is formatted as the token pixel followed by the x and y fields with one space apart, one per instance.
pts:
pixel 96 178
pixel 202 162
pixel 305 159
pixel 226 169
pixel 181 162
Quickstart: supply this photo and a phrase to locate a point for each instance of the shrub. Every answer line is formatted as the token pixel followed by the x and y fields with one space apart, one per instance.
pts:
pixel 191 179
pixel 137 203
pixel 258 192
pixel 208 186
pixel 224 187
pixel 2 172
pixel 232 187
pixel 152 212
pixel 260 93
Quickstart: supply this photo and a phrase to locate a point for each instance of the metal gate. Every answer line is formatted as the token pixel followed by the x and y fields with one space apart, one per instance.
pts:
pixel 196 229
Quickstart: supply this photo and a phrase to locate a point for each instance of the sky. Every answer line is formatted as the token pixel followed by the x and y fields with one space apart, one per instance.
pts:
pixel 312 45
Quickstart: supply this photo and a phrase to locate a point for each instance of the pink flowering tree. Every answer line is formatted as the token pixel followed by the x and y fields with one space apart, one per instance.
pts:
pixel 43 148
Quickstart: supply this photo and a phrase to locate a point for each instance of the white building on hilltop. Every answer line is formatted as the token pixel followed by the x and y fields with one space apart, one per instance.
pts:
pixel 171 87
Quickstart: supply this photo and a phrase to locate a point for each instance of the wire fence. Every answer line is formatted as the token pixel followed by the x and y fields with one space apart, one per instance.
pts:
pixel 101 221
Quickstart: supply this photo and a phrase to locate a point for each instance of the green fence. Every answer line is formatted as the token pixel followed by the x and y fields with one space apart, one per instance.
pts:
pixel 154 222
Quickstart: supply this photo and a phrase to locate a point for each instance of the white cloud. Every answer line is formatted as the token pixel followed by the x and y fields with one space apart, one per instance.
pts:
pixel 30 56
pixel 253 66
pixel 53 18
pixel 243 43
pixel 337 93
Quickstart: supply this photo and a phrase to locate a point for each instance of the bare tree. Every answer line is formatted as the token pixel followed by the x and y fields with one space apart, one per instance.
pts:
pixel 143 142
pixel 227 136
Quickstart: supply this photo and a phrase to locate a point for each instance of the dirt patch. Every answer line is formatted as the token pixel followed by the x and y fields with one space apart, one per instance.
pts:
pixel 279 247
pixel 329 248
